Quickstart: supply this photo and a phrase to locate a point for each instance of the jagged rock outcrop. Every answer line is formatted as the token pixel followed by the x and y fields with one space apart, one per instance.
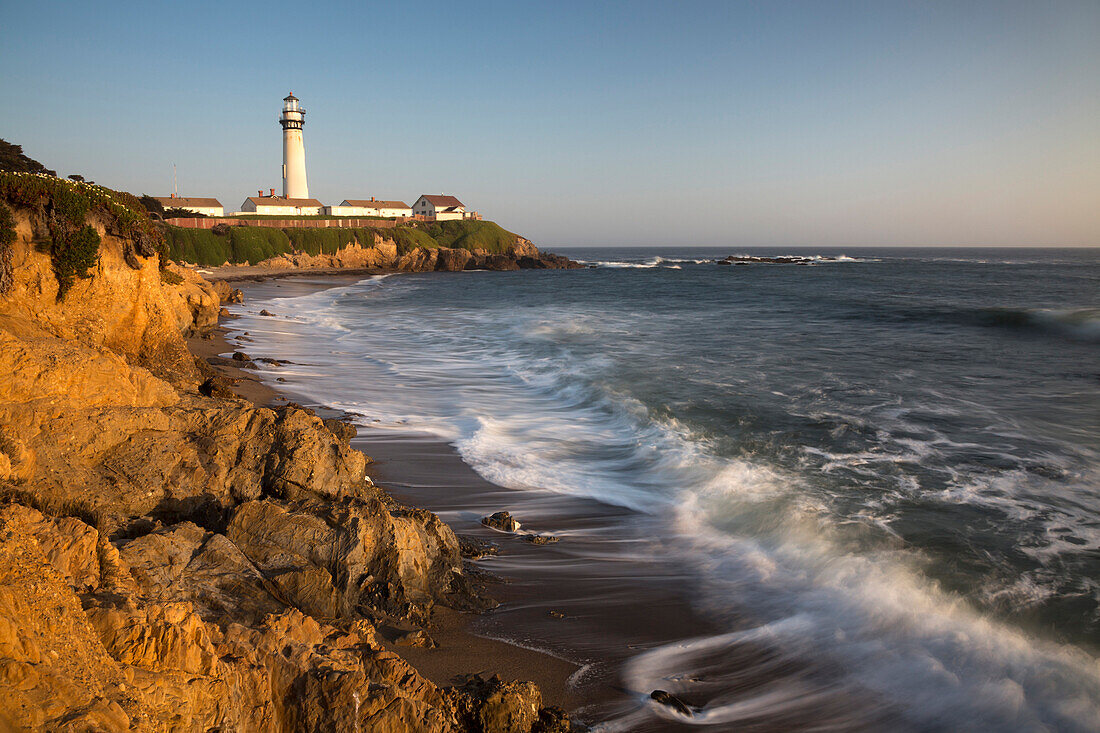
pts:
pixel 174 558
pixel 192 300
pixel 384 254
pixel 127 657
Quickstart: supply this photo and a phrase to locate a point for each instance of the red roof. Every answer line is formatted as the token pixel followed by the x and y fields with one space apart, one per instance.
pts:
pixel 441 201
pixel 376 204
pixel 280 201
pixel 180 202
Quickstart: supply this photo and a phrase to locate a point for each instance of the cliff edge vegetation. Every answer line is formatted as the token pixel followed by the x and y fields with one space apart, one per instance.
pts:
pixel 172 557
pixel 254 244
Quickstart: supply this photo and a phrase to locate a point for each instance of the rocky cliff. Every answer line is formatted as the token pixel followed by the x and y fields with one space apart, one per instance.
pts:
pixel 384 253
pixel 175 561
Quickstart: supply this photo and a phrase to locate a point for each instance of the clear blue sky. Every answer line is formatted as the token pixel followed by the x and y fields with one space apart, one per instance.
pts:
pixel 717 123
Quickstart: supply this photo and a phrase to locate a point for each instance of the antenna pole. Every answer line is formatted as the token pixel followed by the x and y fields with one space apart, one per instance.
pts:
pixel 175 186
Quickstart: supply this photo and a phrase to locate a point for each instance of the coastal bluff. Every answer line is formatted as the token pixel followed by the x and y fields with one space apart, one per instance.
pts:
pixel 173 561
pixel 449 246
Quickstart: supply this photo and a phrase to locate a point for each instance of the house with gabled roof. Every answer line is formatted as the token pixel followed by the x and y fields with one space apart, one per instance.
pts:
pixel 280 206
pixel 207 206
pixel 370 207
pixel 440 208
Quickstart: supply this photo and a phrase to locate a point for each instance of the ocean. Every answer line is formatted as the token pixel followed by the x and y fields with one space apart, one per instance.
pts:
pixel 882 466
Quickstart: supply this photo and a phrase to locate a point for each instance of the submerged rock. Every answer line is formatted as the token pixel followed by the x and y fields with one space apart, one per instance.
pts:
pixel 475 547
pixel 266 312
pixel 502 521
pixel 539 539
pixel 671 701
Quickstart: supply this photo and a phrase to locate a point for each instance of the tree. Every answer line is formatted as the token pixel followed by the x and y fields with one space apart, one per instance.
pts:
pixel 177 213
pixel 152 205
pixel 13 159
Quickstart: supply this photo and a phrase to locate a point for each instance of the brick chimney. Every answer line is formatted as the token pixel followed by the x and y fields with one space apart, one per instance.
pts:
pixel 273 193
pixel 260 193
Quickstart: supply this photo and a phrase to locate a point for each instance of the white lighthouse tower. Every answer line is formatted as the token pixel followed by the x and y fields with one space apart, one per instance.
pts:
pixel 294 150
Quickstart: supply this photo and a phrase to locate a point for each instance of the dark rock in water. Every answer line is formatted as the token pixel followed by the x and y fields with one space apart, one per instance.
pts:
pixel 343 430
pixel 553 719
pixel 671 701
pixel 217 387
pixel 280 379
pixel 224 313
pixel 531 263
pixel 266 312
pixel 555 614
pixel 502 521
pixel 475 547
pixel 235 296
pixel 418 639
pixel 241 356
pixel 539 539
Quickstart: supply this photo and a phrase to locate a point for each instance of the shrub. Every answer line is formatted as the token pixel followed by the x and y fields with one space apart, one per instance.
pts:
pixel 170 278
pixel 73 255
pixel 7 226
pixel 221 229
pixel 7 236
pixel 178 213
pixel 152 205
pixel 65 205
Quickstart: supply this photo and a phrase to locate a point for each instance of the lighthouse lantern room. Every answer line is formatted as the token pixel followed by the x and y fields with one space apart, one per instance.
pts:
pixel 294 151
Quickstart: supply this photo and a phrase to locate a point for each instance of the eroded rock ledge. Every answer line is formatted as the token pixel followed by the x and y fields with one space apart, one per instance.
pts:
pixel 175 561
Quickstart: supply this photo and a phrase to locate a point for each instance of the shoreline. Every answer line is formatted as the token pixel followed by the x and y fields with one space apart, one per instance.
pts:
pixel 572 612
pixel 256 273
pixel 460 651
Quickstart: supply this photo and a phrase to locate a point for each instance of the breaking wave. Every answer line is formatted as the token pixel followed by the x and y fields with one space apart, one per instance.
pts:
pixel 835 616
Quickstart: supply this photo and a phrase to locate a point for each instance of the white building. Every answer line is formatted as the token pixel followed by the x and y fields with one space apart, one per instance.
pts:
pixel 293 119
pixel 209 207
pixel 370 207
pixel 280 206
pixel 440 208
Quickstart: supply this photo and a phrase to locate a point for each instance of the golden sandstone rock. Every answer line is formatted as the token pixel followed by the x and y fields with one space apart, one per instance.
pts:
pixel 171 561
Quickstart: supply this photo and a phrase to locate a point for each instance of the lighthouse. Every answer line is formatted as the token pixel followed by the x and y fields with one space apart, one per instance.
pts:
pixel 294 150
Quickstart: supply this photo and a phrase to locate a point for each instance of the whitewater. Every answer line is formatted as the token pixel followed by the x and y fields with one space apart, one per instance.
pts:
pixel 881 468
